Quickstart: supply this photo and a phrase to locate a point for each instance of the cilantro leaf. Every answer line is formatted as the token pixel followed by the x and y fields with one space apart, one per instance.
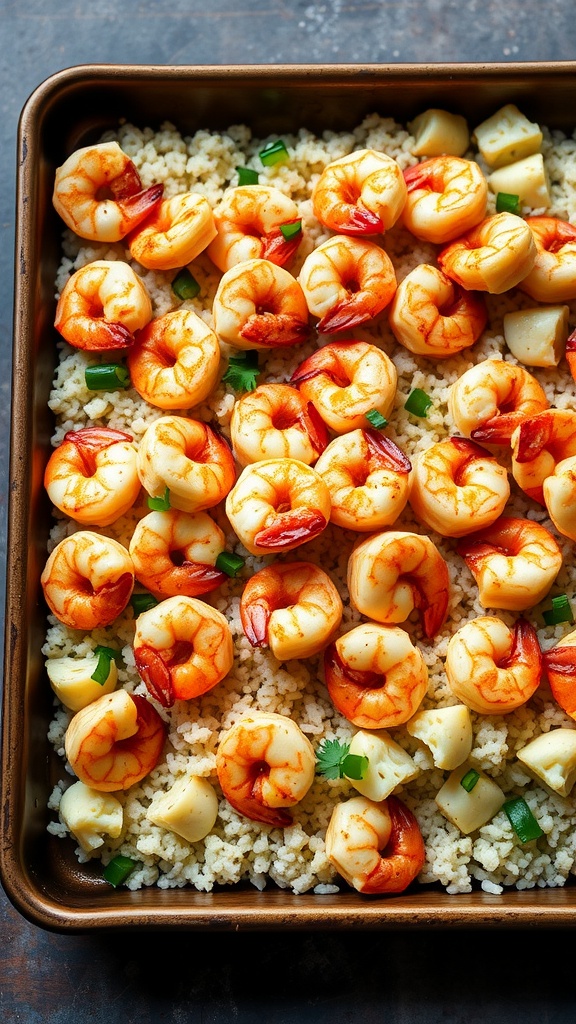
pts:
pixel 242 372
pixel 334 761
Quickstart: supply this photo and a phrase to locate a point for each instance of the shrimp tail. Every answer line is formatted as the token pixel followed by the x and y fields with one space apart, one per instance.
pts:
pixel 315 427
pixel 296 526
pixel 533 435
pixel 339 674
pixel 280 250
pixel 137 206
pixel 571 353
pixel 155 674
pixel 192 578
pixel 404 857
pixel 274 330
pixel 525 647
pixel 344 315
pixel 360 221
pixel 498 429
pixel 386 452
pixel 255 618
pixel 301 375
pixel 89 441
pixel 560 665
pixel 432 607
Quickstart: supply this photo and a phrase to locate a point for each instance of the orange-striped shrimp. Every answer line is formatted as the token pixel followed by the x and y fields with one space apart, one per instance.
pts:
pixel 276 421
pixel 248 222
pixel 538 445
pixel 175 360
pixel 260 305
pixel 177 231
pixel 362 193
pixel 491 668
pixel 446 196
pixel 491 399
pixel 102 305
pixel 432 316
pixel 553 276
pixel 88 580
pixel 560 666
pixel 175 553
pixel 493 257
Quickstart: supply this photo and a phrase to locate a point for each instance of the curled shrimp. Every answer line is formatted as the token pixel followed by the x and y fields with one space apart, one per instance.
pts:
pixel 115 741
pixel 102 305
pixel 92 475
pixel 393 573
pixel 375 676
pixel 491 399
pixel 265 764
pixel 91 171
pixel 260 305
pixel 182 649
pixel 457 487
pixel 362 193
pixel 291 607
pixel 560 496
pixel 538 445
pixel 560 666
pixel 174 361
pixel 376 847
pixel 345 380
pixel 275 421
pixel 514 562
pixel 491 668
pixel 346 281
pixel 175 553
pixel 368 477
pixel 278 504
pixel 553 276
pixel 432 316
pixel 177 231
pixel 189 460
pixel 87 580
pixel 493 257
pixel 248 221
pixel 446 196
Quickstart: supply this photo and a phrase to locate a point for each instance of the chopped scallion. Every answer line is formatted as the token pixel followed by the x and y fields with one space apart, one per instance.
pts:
pixel 334 761
pixel 142 602
pixel 160 504
pixel 354 766
pixel 469 780
pixel 273 153
pixel 522 820
pixel 242 371
pixel 506 202
pixel 229 563
pixel 291 229
pixel 560 611
pixel 247 176
pixel 418 402
pixel 102 670
pixel 376 419
pixel 118 870
pixel 107 377
pixel 185 286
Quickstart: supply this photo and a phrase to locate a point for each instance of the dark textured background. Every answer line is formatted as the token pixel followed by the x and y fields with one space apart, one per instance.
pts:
pixel 329 978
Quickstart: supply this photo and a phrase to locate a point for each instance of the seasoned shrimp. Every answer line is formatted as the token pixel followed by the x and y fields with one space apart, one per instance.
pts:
pixel 376 847
pixel 87 580
pixel 178 230
pixel 514 562
pixel 260 305
pixel 115 741
pixel 265 764
pixel 493 257
pixel 174 361
pixel 560 496
pixel 491 668
pixel 446 196
pixel 92 475
pixel 345 380
pixel 560 666
pixel 278 504
pixel 248 221
pixel 368 477
pixel 538 445
pixel 78 198
pixel 457 487
pixel 182 649
pixel 553 276
pixel 362 193
pixel 187 458
pixel 346 281
pixel 175 553
pixel 375 676
pixel 275 421
pixel 101 305
pixel 291 607
pixel 432 316
pixel 491 399
pixel 392 573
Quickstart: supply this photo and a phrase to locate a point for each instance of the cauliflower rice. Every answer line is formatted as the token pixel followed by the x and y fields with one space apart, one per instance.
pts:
pixel 294 858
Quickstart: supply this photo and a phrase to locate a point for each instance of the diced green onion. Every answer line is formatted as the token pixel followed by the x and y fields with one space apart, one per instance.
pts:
pixel 469 780
pixel 107 377
pixel 247 176
pixel 560 611
pixel 229 563
pixel 291 230
pixel 354 766
pixel 522 820
pixel 102 670
pixel 185 286
pixel 160 504
pixel 117 871
pixel 142 602
pixel 506 202
pixel 376 419
pixel 273 153
pixel 418 402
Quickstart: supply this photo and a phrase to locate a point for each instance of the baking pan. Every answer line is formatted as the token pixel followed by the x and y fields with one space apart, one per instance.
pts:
pixel 71 109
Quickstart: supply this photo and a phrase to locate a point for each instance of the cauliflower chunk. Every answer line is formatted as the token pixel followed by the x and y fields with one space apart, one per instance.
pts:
pixel 89 815
pixel 507 136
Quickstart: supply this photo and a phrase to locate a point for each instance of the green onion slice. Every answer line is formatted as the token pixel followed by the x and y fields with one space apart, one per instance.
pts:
pixel 291 230
pixel 107 377
pixel 161 504
pixel 117 871
pixel 506 202
pixel 229 563
pixel 418 402
pixel 354 766
pixel 142 602
pixel 376 419
pixel 522 820
pixel 560 611
pixel 273 153
pixel 102 670
pixel 247 176
pixel 469 780
pixel 185 286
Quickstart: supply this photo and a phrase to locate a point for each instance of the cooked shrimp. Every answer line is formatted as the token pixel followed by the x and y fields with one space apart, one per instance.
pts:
pixel 260 305
pixel 375 676
pixel 538 445
pixel 174 361
pixel 392 573
pixel 101 306
pixel 346 281
pixel 457 487
pixel 493 257
pixel 92 475
pixel 248 221
pixel 376 847
pixel 275 421
pixel 491 668
pixel 491 399
pixel 345 380
pixel 553 276
pixel 368 477
pixel 115 741
pixel 278 504
pixel 78 193
pixel 560 496
pixel 560 666
pixel 87 580
pixel 175 553
pixel 291 607
pixel 360 194
pixel 178 230
pixel 432 316
pixel 447 195
pixel 187 458
pixel 182 649
pixel 265 763
pixel 514 562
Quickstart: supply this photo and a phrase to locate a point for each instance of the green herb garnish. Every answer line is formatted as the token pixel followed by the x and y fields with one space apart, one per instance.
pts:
pixel 561 611
pixel 142 602
pixel 522 820
pixel 334 761
pixel 247 176
pixel 107 377
pixel 273 153
pixel 117 871
pixel 291 229
pixel 160 504
pixel 102 670
pixel 229 563
pixel 185 286
pixel 418 402
pixel 376 419
pixel 506 202
pixel 242 371
pixel 469 780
